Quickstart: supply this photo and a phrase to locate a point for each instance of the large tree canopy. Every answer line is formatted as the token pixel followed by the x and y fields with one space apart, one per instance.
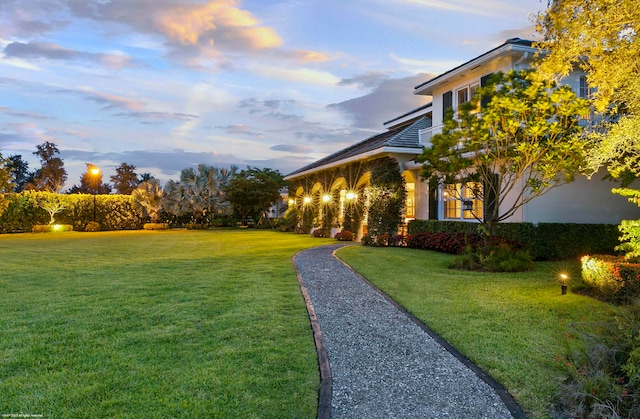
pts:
pixel 52 175
pixel 253 191
pixel 525 141
pixel 125 180
pixel 602 38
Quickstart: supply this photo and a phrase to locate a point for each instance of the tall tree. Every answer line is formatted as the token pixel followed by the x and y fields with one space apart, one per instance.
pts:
pixel 52 175
pixel 91 182
pixel 6 181
pixel 602 37
pixel 125 180
pixel 20 172
pixel 253 191
pixel 526 141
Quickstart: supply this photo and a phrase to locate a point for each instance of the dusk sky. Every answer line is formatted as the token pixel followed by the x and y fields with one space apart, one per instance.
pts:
pixel 169 84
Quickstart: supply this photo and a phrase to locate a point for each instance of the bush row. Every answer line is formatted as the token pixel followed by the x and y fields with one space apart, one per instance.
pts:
pixel 455 243
pixel 112 212
pixel 615 278
pixel 543 241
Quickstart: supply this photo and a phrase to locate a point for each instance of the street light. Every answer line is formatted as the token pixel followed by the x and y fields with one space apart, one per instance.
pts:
pixel 95 172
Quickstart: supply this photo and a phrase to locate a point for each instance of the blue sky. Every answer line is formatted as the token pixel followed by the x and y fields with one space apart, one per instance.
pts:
pixel 169 84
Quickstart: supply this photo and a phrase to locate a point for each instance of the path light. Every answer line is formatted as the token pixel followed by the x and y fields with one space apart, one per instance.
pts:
pixel 563 278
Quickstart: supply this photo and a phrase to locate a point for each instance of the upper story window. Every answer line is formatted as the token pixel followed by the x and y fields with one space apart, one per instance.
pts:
pixel 466 93
pixel 584 91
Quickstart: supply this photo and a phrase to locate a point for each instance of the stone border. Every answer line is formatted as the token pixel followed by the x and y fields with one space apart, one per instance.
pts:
pixel 514 408
pixel 326 380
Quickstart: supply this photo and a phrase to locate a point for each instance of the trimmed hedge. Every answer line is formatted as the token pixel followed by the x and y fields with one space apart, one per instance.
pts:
pixel 113 212
pixel 615 278
pixel 543 241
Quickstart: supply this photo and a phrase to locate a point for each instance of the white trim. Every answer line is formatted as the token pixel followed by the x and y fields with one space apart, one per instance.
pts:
pixel 364 156
pixel 427 88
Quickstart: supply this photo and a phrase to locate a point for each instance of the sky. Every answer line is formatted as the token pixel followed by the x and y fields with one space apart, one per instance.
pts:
pixel 168 84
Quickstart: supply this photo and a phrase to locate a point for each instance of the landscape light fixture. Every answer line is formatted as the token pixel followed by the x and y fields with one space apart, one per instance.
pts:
pixel 95 172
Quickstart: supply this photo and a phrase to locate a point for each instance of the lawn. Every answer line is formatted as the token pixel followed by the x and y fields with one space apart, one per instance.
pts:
pixel 155 324
pixel 511 325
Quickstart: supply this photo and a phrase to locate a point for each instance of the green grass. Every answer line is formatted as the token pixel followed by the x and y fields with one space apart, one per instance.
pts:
pixel 155 324
pixel 511 325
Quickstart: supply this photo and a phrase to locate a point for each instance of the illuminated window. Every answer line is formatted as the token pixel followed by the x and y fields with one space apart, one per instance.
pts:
pixel 454 198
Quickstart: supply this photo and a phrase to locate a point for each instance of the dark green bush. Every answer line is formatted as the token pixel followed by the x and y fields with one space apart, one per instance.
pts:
pixel 544 241
pixel 493 258
pixel 613 278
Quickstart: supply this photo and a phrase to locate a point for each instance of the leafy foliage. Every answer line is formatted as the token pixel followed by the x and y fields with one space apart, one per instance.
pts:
pixel 614 278
pixel 603 375
pixel 252 191
pixel 52 175
pixel 149 196
pixel 199 193
pixel 528 134
pixel 387 196
pixel 125 180
pixel 91 182
pixel 19 172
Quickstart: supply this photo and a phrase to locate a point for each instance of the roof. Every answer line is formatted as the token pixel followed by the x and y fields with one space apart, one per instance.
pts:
pixel 508 43
pixel 397 118
pixel 401 137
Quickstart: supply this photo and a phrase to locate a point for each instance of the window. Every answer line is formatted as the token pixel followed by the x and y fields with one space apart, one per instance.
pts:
pixel 456 198
pixel 466 93
pixel 584 91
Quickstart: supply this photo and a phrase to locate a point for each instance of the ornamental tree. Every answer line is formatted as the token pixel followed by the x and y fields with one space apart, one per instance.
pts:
pixel 253 191
pixel 525 141
pixel 602 37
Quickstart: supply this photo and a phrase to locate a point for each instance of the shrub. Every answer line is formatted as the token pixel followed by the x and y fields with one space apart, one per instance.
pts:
pixel 614 278
pixel 544 241
pixel 344 235
pixel 367 240
pixel 397 241
pixel 197 226
pixel 499 257
pixel 603 374
pixel 53 228
pixel 92 226
pixel 156 226
pixel 320 232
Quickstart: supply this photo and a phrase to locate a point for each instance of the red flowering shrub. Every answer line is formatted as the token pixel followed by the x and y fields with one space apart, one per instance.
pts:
pixel 613 277
pixel 455 243
pixel 344 235
pixel 320 232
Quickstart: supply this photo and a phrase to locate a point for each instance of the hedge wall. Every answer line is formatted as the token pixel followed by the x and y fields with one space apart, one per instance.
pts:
pixel 544 241
pixel 113 212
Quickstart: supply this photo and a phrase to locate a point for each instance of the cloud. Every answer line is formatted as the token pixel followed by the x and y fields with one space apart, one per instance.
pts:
pixel 241 129
pixel 50 51
pixel 300 75
pixel 272 108
pixel 392 97
pixel 486 8
pixel 19 114
pixel 368 80
pixel 292 148
pixel 157 117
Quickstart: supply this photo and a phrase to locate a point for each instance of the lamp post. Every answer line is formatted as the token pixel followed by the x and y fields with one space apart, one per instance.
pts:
pixel 95 172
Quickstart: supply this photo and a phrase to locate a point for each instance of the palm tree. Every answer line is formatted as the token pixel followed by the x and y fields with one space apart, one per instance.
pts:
pixel 149 197
pixel 199 192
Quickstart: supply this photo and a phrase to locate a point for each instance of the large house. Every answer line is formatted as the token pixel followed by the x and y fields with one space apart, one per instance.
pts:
pixel 345 172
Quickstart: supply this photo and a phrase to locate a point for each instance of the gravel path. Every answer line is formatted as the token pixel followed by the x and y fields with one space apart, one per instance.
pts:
pixel 383 363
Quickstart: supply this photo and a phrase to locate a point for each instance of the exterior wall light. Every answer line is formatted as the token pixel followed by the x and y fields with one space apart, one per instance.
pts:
pixel 467 205
pixel 351 195
pixel 326 198
pixel 306 200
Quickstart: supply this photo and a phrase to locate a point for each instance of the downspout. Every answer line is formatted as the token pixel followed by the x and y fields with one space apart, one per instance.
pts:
pixel 525 55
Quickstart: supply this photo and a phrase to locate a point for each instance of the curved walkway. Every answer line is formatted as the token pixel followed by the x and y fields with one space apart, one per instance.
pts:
pixel 378 361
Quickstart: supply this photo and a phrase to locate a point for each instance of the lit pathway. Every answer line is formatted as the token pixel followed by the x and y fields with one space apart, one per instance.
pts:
pixel 383 363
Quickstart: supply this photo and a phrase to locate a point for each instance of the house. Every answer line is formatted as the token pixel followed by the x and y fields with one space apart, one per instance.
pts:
pixel 342 175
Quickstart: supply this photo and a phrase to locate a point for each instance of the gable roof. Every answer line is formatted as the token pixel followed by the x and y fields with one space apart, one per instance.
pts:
pixel 512 44
pixel 403 138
